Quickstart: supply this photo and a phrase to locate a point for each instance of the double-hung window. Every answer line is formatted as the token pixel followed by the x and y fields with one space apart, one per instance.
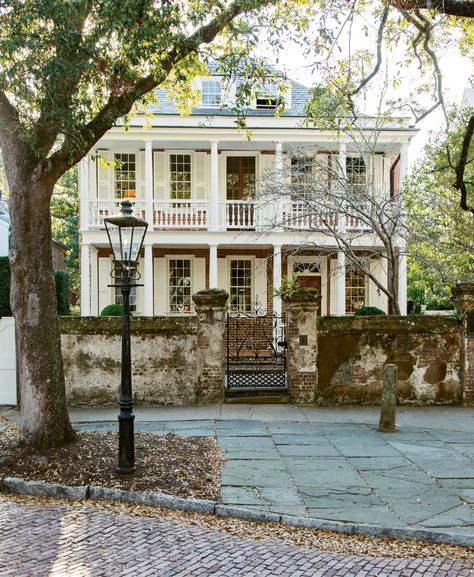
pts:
pixel 180 176
pixel 356 173
pixel 211 93
pixel 356 284
pixel 125 175
pixel 180 285
pixel 240 286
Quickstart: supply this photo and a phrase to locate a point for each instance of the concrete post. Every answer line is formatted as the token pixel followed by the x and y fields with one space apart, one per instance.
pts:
pixel 388 402
pixel 210 310
pixel 302 353
pixel 463 295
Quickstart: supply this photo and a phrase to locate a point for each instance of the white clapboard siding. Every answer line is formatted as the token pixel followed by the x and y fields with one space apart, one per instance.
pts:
pixel 201 190
pixel 160 285
pixel 222 274
pixel 199 274
pixel 159 175
pixel 105 292
pixel 377 298
pixel 260 276
pixel 140 174
pixel 105 175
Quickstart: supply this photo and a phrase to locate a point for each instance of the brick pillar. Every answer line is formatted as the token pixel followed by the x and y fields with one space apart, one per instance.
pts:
pixel 463 295
pixel 210 309
pixel 302 340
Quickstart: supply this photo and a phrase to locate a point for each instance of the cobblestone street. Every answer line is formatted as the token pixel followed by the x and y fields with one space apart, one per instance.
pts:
pixel 83 541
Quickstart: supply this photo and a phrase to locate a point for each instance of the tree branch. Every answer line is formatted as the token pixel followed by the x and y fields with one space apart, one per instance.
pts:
pixel 461 8
pixel 460 184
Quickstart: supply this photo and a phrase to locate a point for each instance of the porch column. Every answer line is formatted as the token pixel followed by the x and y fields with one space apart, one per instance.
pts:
pixel 402 281
pixel 279 201
pixel 84 185
pixel 94 284
pixel 342 160
pixel 276 278
pixel 149 183
pixel 85 281
pixel 341 284
pixel 148 281
pixel 213 267
pixel 214 220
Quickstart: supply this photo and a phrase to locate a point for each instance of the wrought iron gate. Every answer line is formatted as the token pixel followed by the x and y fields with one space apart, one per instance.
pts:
pixel 256 351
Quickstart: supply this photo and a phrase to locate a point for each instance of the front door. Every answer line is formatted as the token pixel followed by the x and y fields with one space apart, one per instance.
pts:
pixel 313 282
pixel 240 180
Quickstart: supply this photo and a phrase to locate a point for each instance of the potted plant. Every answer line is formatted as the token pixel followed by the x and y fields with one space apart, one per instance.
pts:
pixel 291 290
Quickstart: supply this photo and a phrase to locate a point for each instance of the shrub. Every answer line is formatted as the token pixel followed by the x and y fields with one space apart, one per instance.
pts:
pixel 291 290
pixel 368 312
pixel 112 311
pixel 5 310
pixel 61 278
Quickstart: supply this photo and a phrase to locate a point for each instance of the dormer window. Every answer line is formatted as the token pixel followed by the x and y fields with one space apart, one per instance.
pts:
pixel 211 93
pixel 269 97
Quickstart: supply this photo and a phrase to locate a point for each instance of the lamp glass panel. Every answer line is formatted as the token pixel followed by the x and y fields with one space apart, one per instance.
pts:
pixel 114 237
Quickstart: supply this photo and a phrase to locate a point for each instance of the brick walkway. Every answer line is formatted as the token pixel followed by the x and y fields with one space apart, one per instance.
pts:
pixel 57 540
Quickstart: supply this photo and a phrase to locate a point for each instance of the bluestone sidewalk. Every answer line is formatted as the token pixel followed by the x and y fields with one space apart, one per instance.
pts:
pixel 332 463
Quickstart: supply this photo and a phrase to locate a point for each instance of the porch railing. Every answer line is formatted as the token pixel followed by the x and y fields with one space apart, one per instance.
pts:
pixel 100 209
pixel 179 214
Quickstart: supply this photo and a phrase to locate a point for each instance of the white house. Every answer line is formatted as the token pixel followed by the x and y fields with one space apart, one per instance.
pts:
pixel 195 179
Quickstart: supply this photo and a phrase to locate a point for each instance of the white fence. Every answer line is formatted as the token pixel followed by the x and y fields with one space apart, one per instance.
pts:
pixel 7 362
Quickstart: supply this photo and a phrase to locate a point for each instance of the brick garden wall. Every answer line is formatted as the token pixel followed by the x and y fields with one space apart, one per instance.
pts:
pixel 352 353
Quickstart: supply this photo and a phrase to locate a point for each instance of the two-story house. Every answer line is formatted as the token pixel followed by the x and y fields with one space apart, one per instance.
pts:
pixel 195 179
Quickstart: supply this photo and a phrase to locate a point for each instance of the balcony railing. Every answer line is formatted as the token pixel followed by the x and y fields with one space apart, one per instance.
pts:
pixel 229 215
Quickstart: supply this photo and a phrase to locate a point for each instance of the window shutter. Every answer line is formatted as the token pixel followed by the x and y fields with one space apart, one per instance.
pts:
pixel 199 274
pixel 201 191
pixel 160 286
pixel 260 276
pixel 222 275
pixel 105 292
pixel 105 176
pixel 159 175
pixel 140 176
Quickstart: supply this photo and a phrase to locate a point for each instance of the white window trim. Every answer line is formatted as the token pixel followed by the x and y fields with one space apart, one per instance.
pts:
pixel 226 154
pixel 211 79
pixel 252 259
pixel 323 268
pixel 367 291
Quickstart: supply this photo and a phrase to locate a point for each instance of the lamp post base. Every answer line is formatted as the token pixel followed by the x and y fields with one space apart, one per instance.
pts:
pixel 126 464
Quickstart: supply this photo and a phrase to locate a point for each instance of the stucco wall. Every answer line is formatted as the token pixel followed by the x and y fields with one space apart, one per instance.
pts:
pixel 167 364
pixel 353 351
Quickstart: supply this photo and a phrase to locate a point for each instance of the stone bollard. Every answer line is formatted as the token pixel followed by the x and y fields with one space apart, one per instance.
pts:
pixel 388 402
pixel 210 310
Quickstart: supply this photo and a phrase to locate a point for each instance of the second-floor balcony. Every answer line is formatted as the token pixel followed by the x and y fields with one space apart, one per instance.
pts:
pixel 238 215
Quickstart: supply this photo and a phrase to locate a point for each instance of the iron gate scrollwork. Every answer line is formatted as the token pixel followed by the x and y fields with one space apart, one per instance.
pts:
pixel 256 350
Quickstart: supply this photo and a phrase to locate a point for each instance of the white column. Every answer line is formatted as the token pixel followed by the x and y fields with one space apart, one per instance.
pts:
pixel 402 281
pixel 84 186
pixel 215 186
pixel 148 281
pixel 213 266
pixel 94 281
pixel 149 184
pixel 85 281
pixel 341 284
pixel 403 163
pixel 279 200
pixel 276 278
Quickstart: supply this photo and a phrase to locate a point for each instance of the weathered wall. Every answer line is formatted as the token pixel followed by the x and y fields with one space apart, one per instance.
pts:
pixel 352 353
pixel 168 366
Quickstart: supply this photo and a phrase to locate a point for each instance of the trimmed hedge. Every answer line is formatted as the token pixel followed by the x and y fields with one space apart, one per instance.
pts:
pixel 112 311
pixel 368 312
pixel 61 278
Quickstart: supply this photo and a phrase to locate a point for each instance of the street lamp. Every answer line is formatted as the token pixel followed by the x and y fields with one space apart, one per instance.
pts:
pixel 126 233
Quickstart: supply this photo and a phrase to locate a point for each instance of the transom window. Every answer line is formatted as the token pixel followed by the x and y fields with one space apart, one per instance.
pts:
pixel 180 285
pixel 307 267
pixel 355 290
pixel 211 93
pixel 180 176
pixel 240 285
pixel 125 176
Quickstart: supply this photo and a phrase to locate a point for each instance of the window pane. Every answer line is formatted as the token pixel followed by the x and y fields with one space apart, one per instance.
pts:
pixel 211 93
pixel 180 176
pixel 355 290
pixel 241 285
pixel 180 285
pixel 125 175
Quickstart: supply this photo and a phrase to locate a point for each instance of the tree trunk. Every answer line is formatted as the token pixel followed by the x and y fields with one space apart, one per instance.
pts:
pixel 45 420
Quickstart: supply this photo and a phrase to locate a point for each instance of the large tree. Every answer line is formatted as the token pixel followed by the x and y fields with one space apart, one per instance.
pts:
pixel 68 72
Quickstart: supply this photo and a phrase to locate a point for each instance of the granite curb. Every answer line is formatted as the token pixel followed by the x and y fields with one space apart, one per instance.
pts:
pixel 155 499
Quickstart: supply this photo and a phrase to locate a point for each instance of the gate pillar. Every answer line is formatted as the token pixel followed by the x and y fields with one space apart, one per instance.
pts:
pixel 463 295
pixel 302 342
pixel 210 310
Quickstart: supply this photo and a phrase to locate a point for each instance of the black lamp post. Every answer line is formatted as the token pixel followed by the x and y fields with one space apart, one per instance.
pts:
pixel 126 233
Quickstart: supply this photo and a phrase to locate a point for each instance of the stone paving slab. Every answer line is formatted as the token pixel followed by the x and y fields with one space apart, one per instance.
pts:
pixel 416 478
